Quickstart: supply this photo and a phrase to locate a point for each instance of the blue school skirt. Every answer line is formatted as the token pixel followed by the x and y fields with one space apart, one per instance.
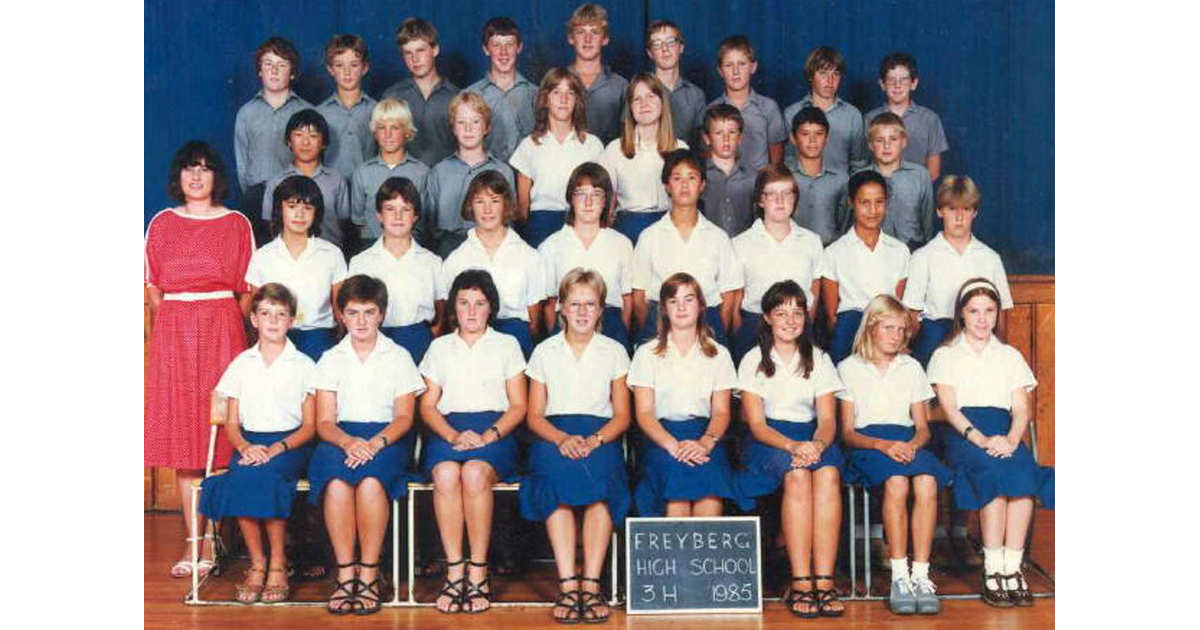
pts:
pixel 414 337
pixel 870 467
pixel 746 337
pixel 264 491
pixel 611 326
pixel 391 466
pixel 712 316
pixel 502 455
pixel 932 332
pixel 662 478
pixel 979 477
pixel 766 465
pixel 555 480
pixel 518 328
pixel 842 344
pixel 632 224
pixel 540 225
pixel 313 341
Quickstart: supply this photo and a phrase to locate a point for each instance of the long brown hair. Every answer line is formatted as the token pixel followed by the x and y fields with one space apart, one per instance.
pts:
pixel 666 131
pixel 782 293
pixel 541 111
pixel 670 287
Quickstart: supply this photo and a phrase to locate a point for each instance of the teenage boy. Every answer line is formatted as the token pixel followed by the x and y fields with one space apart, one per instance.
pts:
pixel 763 131
pixel 846 151
pixel 822 190
pixel 508 94
pixel 258 143
pixel 392 125
pixel 664 46
pixel 926 137
pixel 587 33
pixel 348 110
pixel 306 136
pixel 425 91
pixel 910 189
pixel 727 197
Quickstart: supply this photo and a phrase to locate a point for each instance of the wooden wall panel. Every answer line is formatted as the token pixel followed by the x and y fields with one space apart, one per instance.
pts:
pixel 1044 394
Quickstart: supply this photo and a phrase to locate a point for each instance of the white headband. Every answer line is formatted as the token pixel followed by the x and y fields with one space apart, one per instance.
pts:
pixel 978 284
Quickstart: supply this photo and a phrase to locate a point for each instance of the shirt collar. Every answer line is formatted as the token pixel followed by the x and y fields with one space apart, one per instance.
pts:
pixel 760 227
pixel 991 347
pixel 808 100
pixel 944 242
pixel 333 100
pixel 377 249
pixel 291 95
pixel 884 238
pixel 289 351
pixel 510 237
pixel 488 334
pixel 408 157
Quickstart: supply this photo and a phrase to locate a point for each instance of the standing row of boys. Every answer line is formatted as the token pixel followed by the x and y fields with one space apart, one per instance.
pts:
pixel 632 241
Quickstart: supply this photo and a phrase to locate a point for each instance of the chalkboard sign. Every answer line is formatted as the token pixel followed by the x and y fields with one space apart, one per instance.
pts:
pixel 690 565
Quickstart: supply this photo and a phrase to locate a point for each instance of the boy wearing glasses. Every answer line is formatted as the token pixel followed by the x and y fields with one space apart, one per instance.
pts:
pixel 587 32
pixel 664 46
pixel 926 137
pixel 846 151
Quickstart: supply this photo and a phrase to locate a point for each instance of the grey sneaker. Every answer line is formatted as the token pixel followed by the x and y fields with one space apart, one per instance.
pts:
pixel 902 601
pixel 926 593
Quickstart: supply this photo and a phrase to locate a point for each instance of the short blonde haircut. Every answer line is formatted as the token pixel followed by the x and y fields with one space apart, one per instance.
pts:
pixel 886 119
pixel 879 308
pixel 589 13
pixel 393 109
pixel 958 190
pixel 475 102
pixel 581 277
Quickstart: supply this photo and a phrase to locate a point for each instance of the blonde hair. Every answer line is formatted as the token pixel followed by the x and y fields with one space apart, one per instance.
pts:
pixel 958 189
pixel 474 101
pixel 669 289
pixel 586 278
pixel 589 13
pixel 393 109
pixel 879 308
pixel 666 130
pixel 886 119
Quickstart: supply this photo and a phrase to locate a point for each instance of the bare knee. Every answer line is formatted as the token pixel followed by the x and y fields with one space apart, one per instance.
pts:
pixel 477 477
pixel 797 484
pixel 925 488
pixel 446 476
pixel 895 489
pixel 827 482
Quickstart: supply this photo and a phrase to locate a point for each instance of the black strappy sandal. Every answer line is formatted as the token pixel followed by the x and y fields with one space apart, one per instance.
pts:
pixel 808 598
pixel 1021 595
pixel 998 596
pixel 588 601
pixel 826 597
pixel 344 599
pixel 370 595
pixel 569 600
pixel 475 590
pixel 454 589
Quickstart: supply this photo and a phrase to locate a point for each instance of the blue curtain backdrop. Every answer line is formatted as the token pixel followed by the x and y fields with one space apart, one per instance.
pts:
pixel 986 66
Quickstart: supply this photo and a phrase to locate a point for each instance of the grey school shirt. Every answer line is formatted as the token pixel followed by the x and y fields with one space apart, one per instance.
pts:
pixel 923 126
pixel 366 182
pixel 821 204
pixel 512 113
pixel 762 127
pixel 350 139
pixel 446 188
pixel 726 200
pixel 910 204
pixel 605 104
pixel 334 192
pixel 846 150
pixel 435 137
pixel 687 111
pixel 258 146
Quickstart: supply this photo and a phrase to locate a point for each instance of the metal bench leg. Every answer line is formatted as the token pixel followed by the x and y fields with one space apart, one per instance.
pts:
pixel 395 552
pixel 850 499
pixel 866 496
pixel 412 556
pixel 195 537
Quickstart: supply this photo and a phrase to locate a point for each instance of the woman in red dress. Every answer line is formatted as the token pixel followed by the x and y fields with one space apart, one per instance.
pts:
pixel 196 257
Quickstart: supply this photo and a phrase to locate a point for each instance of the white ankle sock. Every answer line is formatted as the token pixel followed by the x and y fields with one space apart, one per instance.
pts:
pixel 993 560
pixel 920 570
pixel 899 568
pixel 1012 565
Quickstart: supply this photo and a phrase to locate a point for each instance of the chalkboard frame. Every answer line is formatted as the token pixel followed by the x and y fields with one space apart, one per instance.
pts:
pixel 630 526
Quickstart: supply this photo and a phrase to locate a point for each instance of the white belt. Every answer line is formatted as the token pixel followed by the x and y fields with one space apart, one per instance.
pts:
pixel 196 296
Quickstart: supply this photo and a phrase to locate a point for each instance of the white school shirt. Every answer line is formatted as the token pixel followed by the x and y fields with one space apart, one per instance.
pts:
pixel 683 384
pixel 516 269
pixel 937 271
pixel 473 378
pixel 269 397
pixel 707 255
pixel 582 385
pixel 549 164
pixel 309 277
pixel 413 281
pixel 367 390
pixel 766 261
pixel 984 379
pixel 787 395
pixel 862 273
pixel 637 181
pixel 883 397
pixel 610 255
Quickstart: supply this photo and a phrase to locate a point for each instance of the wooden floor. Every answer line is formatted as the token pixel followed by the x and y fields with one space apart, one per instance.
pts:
pixel 164 607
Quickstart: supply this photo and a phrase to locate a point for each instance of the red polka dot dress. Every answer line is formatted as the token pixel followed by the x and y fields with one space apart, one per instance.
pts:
pixel 196 333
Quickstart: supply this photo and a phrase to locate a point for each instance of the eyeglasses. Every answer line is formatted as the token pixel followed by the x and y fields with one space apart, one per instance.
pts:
pixel 663 44
pixel 897 81
pixel 582 307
